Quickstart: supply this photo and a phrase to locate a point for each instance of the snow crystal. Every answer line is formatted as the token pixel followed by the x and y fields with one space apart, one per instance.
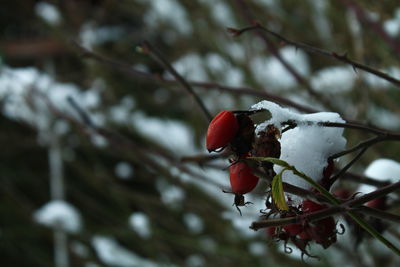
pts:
pixel 123 170
pixel 382 170
pixel 193 222
pixel 112 253
pixel 58 213
pixel 139 222
pixel 306 147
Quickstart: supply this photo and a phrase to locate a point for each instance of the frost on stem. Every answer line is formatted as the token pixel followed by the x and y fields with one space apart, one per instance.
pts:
pixel 308 145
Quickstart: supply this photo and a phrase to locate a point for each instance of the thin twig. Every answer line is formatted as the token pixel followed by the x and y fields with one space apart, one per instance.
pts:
pixel 333 179
pixel 148 48
pixel 319 51
pixel 126 68
pixel 124 142
pixel 247 13
pixel 364 179
pixel 361 145
pixel 344 207
pixel 373 25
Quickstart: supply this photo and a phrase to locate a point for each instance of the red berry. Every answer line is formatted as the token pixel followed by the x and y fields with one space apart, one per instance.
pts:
pixel 378 203
pixel 343 193
pixel 271 231
pixel 328 170
pixel 242 178
pixel 322 231
pixel 293 229
pixel 221 131
pixel 311 206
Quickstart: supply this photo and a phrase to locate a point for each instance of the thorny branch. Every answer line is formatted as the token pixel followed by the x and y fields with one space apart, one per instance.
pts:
pixel 126 68
pixel 373 25
pixel 315 50
pixel 122 141
pixel 150 49
pixel 344 207
pixel 247 13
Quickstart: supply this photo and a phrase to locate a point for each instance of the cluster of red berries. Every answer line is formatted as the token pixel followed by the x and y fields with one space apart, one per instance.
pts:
pixel 236 131
pixel 323 231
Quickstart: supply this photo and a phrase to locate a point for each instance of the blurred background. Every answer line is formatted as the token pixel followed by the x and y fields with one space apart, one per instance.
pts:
pixel 103 158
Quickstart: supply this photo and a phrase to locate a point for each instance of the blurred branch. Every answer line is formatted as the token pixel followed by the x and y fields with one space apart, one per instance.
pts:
pixel 373 25
pixel 333 179
pixel 247 14
pixel 150 49
pixel 318 51
pixel 124 143
pixel 363 179
pixel 206 85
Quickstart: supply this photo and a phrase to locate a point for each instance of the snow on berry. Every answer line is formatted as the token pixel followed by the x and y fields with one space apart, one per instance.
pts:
pixel 308 145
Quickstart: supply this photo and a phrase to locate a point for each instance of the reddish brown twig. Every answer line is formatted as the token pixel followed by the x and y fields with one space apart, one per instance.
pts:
pixel 344 207
pixel 315 50
pixel 246 12
pixel 126 68
pixel 150 49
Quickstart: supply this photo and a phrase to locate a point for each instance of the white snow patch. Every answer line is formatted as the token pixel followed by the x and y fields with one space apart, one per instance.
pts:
pixel 124 170
pixel 48 13
pixel 167 11
pixel 258 248
pixel 139 222
pixel 191 67
pixel 378 83
pixel 171 195
pixel 112 253
pixel 334 79
pixel 270 72
pixel 384 118
pixel 172 134
pixel 382 170
pixel 193 222
pixel 92 34
pixel 307 147
pixel 222 14
pixel 59 214
pixel 195 260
